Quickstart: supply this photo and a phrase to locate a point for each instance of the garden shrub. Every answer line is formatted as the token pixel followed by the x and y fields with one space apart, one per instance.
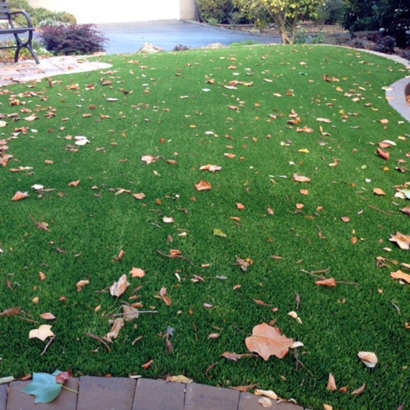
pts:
pixel 72 40
pixel 215 10
pixel 385 44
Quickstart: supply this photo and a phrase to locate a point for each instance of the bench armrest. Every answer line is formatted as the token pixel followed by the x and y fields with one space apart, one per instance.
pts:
pixel 26 15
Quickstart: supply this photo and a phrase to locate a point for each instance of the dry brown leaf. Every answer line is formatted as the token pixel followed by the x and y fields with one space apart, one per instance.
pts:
pixel 137 273
pixel 402 240
pixel 378 191
pixel 117 325
pixel 213 336
pixel 300 178
pixel 330 283
pixel 149 159
pixel 305 129
pixel 268 341
pixel 360 390
pixel 265 402
pixel 130 313
pixel 178 379
pixel 118 288
pixel 147 365
pixel 74 183
pixel 210 168
pixel 168 220
pixel 244 389
pixel 240 206
pixel 242 263
pixel 120 256
pixel 325 120
pixel 345 219
pixel 139 196
pixel 369 358
pixel 327 407
pixel 229 155
pixel 234 356
pixel 401 276
pixel 42 276
pixel 383 154
pixel 267 393
pixel 47 316
pixel 203 186
pixel 331 384
pixel 18 196
pixel 42 333
pixel 81 284
pixel 406 210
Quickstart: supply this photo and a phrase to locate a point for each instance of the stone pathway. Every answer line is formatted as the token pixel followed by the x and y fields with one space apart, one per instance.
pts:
pixel 27 70
pixel 103 393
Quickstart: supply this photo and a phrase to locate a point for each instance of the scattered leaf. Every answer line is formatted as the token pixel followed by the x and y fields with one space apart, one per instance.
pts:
pixel 378 191
pixel 81 284
pixel 400 276
pixel 402 240
pixel 300 178
pixel 267 393
pixel 268 341
pixel 117 325
pixel 265 402
pixel 18 196
pixel 47 316
pixel 330 283
pixel 137 273
pixel 118 288
pixel 331 384
pixel 203 186
pixel 178 379
pixel 42 333
pixel 369 358
pixel 218 232
pixel 360 390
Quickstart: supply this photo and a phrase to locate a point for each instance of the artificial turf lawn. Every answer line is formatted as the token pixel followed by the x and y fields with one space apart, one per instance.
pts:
pixel 164 109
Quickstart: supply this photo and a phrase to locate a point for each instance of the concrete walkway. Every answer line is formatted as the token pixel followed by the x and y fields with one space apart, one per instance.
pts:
pixel 102 393
pixel 126 38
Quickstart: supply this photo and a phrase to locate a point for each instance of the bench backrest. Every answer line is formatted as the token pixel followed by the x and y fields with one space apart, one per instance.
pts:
pixel 4 11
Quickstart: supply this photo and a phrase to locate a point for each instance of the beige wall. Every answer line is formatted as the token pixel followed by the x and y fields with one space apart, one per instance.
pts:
pixel 87 11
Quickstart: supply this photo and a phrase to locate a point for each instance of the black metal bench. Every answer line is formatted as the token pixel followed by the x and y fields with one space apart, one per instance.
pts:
pixel 7 16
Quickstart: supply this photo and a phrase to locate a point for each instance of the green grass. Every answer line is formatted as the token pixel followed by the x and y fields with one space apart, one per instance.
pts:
pixel 92 226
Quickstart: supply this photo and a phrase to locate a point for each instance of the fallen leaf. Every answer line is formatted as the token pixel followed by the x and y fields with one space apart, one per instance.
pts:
pixel 402 240
pixel 149 159
pixel 360 390
pixel 117 325
pixel 214 336
pixel 331 384
pixel 300 178
pixel 139 196
pixel 137 273
pixel 18 196
pixel 401 276
pixel 218 232
pixel 47 316
pixel 265 402
pixel 378 191
pixel 242 263
pixel 203 186
pixel 42 333
pixel 210 168
pixel 244 389
pixel 178 379
pixel 345 219
pixel 325 120
pixel 406 210
pixel 235 357
pixel 330 283
pixel 383 154
pixel 74 183
pixel 369 358
pixel 168 220
pixel 147 365
pixel 267 393
pixel 118 288
pixel 240 206
pixel 120 256
pixel 268 341
pixel 81 284
pixel 129 313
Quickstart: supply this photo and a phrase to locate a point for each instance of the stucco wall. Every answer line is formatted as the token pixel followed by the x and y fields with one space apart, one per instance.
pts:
pixel 87 11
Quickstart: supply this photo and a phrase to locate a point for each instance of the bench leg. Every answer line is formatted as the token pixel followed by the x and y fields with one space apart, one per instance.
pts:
pixel 20 45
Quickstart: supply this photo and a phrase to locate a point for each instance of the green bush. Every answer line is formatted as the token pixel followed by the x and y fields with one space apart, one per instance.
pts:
pixel 215 10
pixel 40 14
